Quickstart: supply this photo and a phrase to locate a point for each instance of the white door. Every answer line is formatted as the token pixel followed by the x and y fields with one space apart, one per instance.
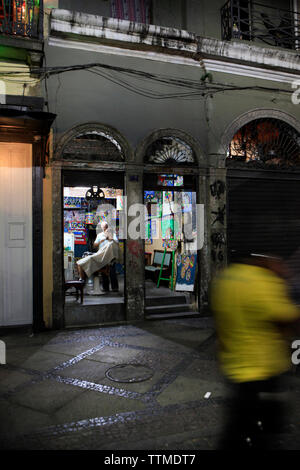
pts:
pixel 15 234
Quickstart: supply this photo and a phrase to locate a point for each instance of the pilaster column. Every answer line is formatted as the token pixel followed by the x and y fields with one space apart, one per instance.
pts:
pixel 134 252
pixel 217 219
pixel 58 296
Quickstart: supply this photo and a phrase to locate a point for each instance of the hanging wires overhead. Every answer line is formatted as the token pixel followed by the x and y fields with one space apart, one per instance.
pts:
pixel 140 82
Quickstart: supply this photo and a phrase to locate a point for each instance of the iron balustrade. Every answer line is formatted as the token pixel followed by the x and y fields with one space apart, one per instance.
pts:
pixel 251 21
pixel 21 18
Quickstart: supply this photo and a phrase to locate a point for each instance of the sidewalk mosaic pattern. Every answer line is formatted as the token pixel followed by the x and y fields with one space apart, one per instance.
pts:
pixel 54 392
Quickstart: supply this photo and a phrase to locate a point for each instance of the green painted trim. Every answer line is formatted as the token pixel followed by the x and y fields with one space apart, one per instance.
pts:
pixel 15 53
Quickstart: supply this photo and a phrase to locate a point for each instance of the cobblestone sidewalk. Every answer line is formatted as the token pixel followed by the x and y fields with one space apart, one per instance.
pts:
pixel 55 393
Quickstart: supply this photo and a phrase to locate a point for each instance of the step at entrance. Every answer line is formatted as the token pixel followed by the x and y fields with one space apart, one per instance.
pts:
pixel 169 306
pixel 166 316
pixel 160 300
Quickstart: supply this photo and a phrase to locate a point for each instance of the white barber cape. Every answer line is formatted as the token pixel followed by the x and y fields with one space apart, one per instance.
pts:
pixel 107 252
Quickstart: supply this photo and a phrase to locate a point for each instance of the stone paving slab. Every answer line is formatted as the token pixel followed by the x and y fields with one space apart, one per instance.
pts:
pixel 46 396
pixel 113 355
pixel 54 393
pixel 16 420
pixel 129 430
pixel 10 379
pixel 86 369
pixel 191 388
pixel 91 404
pixel 40 360
pixel 71 349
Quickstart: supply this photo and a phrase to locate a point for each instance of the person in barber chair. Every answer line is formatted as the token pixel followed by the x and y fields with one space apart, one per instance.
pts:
pixel 104 260
pixel 108 276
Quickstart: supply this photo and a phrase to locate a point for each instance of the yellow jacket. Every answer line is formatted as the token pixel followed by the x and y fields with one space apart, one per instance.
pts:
pixel 248 303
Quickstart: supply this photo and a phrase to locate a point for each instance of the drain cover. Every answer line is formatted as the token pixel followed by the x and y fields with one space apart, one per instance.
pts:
pixel 129 373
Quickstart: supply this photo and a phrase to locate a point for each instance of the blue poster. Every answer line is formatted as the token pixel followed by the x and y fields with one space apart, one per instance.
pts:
pixel 186 272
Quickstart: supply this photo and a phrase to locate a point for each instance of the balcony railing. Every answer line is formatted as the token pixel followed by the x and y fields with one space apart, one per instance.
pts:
pixel 21 18
pixel 251 21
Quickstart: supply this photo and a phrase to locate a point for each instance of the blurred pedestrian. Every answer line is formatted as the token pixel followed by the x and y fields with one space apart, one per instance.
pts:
pixel 252 307
pixel 293 264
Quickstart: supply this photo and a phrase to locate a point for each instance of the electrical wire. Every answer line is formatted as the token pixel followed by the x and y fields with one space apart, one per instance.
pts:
pixel 191 89
pixel 142 92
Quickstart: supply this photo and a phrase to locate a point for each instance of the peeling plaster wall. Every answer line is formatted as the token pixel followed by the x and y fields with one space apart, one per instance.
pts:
pixel 15 85
pixel 102 101
pixel 51 3
pixel 96 7
pixel 196 17
pixel 136 116
pixel 225 107
pixel 81 97
pixel 168 13
pixel 202 17
pixel 209 16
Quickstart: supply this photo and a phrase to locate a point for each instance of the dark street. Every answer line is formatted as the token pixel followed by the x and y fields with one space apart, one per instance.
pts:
pixel 55 394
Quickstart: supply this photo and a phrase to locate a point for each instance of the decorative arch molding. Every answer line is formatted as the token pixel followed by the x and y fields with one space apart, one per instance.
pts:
pixel 141 150
pixel 96 128
pixel 249 116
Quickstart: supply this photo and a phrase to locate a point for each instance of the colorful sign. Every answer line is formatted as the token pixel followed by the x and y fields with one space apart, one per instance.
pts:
pixel 170 180
pixel 186 272
pixel 170 244
pixel 80 237
pixel 74 202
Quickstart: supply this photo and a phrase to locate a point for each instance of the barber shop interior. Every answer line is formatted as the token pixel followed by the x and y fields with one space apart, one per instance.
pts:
pixel 170 250
pixel 94 273
pixel 87 210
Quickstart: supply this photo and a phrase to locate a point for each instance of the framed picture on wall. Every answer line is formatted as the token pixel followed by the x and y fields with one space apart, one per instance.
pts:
pixel 186 272
pixel 153 229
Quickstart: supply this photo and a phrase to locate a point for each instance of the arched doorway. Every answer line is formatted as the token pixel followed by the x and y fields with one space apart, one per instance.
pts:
pixel 92 165
pixel 172 274
pixel 263 188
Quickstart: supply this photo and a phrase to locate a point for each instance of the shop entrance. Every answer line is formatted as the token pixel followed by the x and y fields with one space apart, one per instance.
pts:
pixel 93 205
pixel 171 261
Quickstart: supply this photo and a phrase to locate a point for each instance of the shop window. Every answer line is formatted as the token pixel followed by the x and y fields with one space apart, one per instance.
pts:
pixel 170 248
pixel 82 223
pixel 93 145
pixel 265 141
pixel 170 151
pixel 171 259
pixel 170 180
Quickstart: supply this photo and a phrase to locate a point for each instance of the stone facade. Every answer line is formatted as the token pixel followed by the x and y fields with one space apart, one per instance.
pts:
pixel 113 68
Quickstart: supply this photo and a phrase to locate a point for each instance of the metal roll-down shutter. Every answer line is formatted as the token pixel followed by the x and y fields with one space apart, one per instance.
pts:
pixel 263 213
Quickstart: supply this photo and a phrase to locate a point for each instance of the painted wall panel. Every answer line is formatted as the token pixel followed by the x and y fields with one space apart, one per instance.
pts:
pixel 16 234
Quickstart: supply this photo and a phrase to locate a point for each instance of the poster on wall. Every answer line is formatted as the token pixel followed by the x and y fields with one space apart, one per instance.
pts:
pixel 170 227
pixel 148 230
pixel 80 237
pixel 69 241
pixel 186 272
pixel 74 202
pixel 151 196
pixel 153 229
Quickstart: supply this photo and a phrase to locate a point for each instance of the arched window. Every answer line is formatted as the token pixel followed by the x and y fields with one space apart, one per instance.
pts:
pixel 265 141
pixel 93 145
pixel 169 150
